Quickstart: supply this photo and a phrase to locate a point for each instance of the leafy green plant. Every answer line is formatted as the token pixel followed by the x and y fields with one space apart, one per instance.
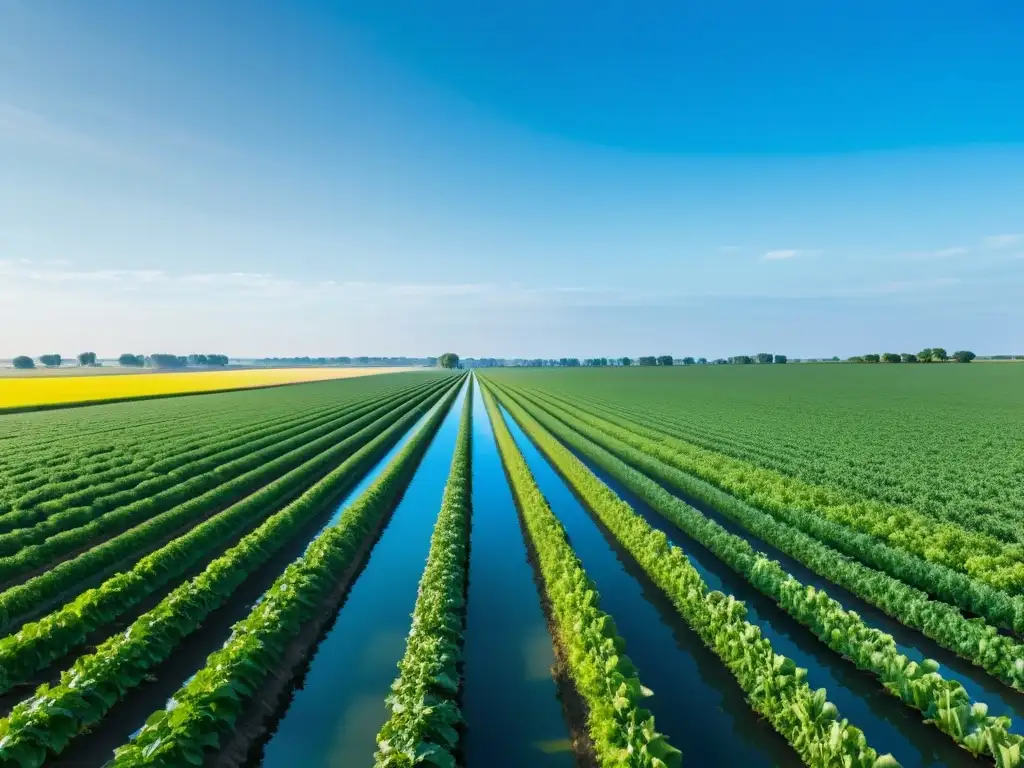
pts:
pixel 206 707
pixel 45 723
pixel 776 687
pixel 622 731
pixel 425 717
pixel 921 687
pixel 40 643
pixel 1000 655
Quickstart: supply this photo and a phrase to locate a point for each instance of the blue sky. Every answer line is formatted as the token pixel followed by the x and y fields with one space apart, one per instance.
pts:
pixel 538 179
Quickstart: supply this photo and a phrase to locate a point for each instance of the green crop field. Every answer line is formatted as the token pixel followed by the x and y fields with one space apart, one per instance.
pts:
pixel 651 567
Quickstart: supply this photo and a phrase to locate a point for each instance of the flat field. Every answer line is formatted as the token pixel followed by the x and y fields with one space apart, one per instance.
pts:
pixel 26 389
pixel 757 566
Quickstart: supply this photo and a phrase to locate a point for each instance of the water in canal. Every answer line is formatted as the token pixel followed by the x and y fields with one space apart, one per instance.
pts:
pixel 696 702
pixel 334 718
pixel 980 686
pixel 889 725
pixel 127 717
pixel 510 703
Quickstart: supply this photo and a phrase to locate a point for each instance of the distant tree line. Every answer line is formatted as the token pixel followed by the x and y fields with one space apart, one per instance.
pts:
pixel 162 360
pixel 929 355
pixel 346 360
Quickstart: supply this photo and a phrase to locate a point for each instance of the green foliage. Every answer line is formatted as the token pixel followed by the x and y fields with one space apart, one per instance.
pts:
pixel 665 360
pixel 23 362
pixel 775 685
pixel 448 360
pixel 943 487
pixel 424 699
pixel 51 637
pixel 87 358
pixel 132 361
pixel 51 361
pixel 206 708
pixel 964 356
pixel 44 724
pixel 622 731
pixel 844 631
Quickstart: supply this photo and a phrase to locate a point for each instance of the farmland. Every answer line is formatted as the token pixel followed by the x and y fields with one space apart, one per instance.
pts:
pixel 758 566
pixel 41 388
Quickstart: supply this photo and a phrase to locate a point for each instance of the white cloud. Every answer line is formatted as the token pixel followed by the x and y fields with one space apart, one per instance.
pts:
pixel 924 285
pixel 1004 241
pixel 788 253
pixel 942 253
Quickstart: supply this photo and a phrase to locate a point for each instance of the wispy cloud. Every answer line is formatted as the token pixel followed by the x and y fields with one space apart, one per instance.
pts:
pixel 1004 241
pixel 27 128
pixel 788 253
pixel 941 253
pixel 923 285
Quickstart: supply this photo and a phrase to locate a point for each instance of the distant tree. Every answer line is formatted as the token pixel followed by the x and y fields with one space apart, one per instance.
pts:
pixel 741 360
pixel 835 359
pixel 164 360
pixel 131 361
pixel 702 361
pixel 855 359
pixel 781 359
pixel 51 361
pixel 909 357
pixel 764 357
pixel 871 358
pixel 647 360
pixel 964 356
pixel 665 360
pixel 625 361
pixel 216 359
pixel 925 355
pixel 939 354
pixel 197 359
pixel 23 362
pixel 447 360
pixel 891 357
pixel 87 358
pixel 690 361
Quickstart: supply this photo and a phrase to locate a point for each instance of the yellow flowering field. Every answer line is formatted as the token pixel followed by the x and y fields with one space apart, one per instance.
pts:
pixel 18 392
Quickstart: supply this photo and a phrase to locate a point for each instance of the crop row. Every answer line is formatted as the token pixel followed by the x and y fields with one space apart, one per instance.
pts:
pixel 1001 656
pixel 117 509
pixel 40 643
pixel 979 555
pixel 942 440
pixel 995 605
pixel 153 519
pixel 621 730
pixel 176 458
pixel 857 474
pixel 943 702
pixel 776 687
pixel 207 707
pixel 172 451
pixel 41 590
pixel 425 715
pixel 45 723
pixel 63 444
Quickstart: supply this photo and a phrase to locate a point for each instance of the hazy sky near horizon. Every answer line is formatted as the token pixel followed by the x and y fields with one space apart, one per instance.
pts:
pixel 529 178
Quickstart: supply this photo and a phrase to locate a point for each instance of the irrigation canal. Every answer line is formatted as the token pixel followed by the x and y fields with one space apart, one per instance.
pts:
pixel 128 716
pixel 513 716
